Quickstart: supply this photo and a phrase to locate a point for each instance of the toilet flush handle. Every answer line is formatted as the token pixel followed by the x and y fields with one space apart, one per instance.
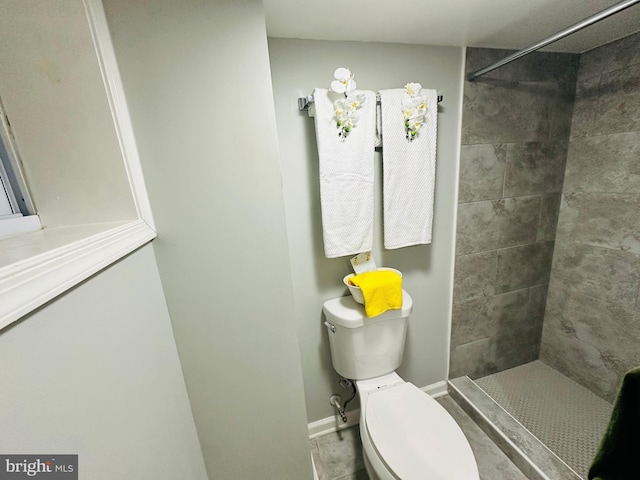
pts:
pixel 331 327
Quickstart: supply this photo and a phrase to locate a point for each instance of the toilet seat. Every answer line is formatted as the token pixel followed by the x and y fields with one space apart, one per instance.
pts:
pixel 415 436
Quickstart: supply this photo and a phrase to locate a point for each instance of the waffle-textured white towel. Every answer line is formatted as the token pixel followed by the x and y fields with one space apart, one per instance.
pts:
pixel 346 174
pixel 408 171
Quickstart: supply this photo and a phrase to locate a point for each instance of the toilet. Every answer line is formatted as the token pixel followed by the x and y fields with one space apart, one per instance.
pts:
pixel 405 433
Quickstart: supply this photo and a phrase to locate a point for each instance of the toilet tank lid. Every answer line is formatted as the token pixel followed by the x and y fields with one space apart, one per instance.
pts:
pixel 348 313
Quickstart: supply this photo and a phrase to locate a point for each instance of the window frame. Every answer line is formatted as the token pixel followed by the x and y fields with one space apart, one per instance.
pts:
pixel 36 267
pixel 23 218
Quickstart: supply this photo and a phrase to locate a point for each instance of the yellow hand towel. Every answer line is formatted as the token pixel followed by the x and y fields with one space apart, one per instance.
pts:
pixel 381 289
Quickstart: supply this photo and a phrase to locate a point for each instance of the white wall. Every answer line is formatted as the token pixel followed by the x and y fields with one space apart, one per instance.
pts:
pixel 96 373
pixel 196 75
pixel 298 66
pixel 54 95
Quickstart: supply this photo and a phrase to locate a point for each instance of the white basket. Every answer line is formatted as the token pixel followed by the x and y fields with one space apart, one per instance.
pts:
pixel 356 292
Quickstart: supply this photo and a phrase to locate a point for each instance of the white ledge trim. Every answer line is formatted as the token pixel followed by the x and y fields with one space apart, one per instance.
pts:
pixel 28 284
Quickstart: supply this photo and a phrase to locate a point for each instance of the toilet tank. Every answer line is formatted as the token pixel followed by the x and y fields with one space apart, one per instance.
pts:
pixel 363 347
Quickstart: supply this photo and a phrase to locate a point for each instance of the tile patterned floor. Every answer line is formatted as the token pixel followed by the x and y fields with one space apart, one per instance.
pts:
pixel 338 456
pixel 566 417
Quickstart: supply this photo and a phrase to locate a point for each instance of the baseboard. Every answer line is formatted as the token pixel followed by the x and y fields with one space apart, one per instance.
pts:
pixel 334 423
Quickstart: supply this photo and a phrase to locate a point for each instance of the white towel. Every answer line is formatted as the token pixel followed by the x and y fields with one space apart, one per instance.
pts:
pixel 346 175
pixel 408 172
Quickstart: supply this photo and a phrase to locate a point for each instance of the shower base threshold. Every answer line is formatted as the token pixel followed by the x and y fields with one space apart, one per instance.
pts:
pixel 528 453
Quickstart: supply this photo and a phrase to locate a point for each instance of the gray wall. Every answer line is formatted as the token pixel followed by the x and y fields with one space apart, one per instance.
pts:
pixel 515 129
pixel 298 66
pixel 196 75
pixel 96 373
pixel 592 324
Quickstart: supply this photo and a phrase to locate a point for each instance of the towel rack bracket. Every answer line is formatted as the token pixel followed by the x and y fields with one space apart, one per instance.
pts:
pixel 304 103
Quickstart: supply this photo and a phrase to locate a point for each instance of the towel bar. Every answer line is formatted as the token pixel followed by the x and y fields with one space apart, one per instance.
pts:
pixel 305 102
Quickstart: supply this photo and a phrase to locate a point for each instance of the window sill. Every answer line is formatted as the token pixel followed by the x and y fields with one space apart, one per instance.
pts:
pixel 38 266
pixel 18 225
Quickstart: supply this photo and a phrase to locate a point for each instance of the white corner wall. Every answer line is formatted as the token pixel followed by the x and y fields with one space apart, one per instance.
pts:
pixel 96 373
pixel 197 80
pixel 298 66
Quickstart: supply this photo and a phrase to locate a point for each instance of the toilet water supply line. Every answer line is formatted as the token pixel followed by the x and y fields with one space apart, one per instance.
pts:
pixel 336 399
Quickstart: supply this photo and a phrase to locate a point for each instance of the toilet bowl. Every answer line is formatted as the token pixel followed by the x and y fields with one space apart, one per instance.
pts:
pixel 405 433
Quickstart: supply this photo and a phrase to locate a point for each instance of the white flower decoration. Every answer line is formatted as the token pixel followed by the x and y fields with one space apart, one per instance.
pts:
pixel 412 88
pixel 343 82
pixel 414 108
pixel 346 115
pixel 345 109
pixel 355 101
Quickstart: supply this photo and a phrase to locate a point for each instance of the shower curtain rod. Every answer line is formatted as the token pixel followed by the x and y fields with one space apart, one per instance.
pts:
pixel 618 7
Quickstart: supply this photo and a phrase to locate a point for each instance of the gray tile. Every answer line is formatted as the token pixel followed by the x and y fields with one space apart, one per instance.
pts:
pixel 591 341
pixel 581 362
pixel 495 224
pixel 537 305
pixel 612 56
pixel 549 209
pixel 523 266
pixel 524 101
pixel 339 454
pixel 502 112
pixel 475 276
pixel 493 333
pixel 517 348
pixel 585 106
pixel 488 316
pixel 607 327
pixel 481 172
pixel 604 163
pixel 567 217
pixel 601 219
pixel 475 359
pixel 492 463
pixel 561 115
pixel 619 102
pixel 518 341
pixel 534 168
pixel 543 67
pixel 609 275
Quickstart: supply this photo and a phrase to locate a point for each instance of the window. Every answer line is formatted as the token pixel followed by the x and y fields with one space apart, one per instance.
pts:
pixel 7 199
pixel 84 172
pixel 17 212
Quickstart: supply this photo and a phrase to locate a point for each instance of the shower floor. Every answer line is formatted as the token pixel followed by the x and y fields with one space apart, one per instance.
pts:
pixel 566 417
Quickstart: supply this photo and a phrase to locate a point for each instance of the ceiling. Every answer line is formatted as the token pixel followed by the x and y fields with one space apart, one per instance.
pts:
pixel 513 24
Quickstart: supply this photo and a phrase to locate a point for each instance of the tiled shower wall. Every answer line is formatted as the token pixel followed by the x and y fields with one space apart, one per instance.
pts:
pixel 515 132
pixel 592 324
